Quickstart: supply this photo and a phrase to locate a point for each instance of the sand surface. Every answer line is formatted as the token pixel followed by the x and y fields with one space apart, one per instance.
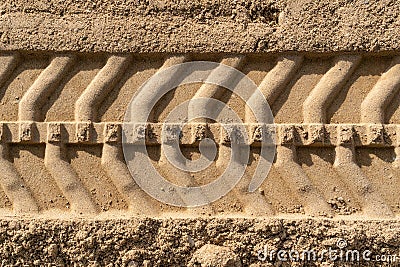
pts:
pixel 68 70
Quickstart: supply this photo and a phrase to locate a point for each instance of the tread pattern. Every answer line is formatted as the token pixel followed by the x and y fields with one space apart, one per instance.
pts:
pixel 88 102
pixel 370 130
pixel 314 108
pixel 373 106
pixel 14 187
pixel 43 87
pixel 67 180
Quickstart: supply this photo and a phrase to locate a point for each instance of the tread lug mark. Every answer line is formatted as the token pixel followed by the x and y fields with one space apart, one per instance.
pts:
pixel 44 86
pixel 356 180
pixel 373 106
pixel 271 87
pixel 87 105
pixel 213 91
pixel 115 167
pixel 275 81
pixel 67 180
pixel 138 200
pixel 207 90
pixel 163 161
pixel 300 184
pixel 316 104
pixel 13 185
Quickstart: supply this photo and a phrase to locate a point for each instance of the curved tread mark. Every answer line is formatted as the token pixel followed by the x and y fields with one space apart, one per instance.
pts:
pixel 207 90
pixel 254 204
pixel 13 185
pixel 320 98
pixel 67 180
pixel 298 181
pixel 373 106
pixel 186 179
pixel 211 90
pixel 44 86
pixel 275 81
pixel 352 175
pixel 251 202
pixel 110 153
pixel 214 91
pixel 87 105
pixel 114 165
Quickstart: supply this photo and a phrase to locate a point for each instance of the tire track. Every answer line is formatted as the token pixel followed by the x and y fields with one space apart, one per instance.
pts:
pixel 113 162
pixel 356 180
pixel 295 177
pixel 276 80
pixel 369 130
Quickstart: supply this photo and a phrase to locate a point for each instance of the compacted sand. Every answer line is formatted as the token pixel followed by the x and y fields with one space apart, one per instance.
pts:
pixel 330 71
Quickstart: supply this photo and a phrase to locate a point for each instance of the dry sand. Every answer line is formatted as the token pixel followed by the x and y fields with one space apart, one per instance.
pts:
pixel 329 70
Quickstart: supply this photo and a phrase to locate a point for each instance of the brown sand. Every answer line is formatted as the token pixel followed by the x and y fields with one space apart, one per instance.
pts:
pixel 201 26
pixel 329 70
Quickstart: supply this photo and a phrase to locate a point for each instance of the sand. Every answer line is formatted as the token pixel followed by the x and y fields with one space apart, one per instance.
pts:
pixel 68 70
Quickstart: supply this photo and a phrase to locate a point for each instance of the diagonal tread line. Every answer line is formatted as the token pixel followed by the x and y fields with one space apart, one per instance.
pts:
pixel 14 186
pixel 102 84
pixel 67 180
pixel 357 181
pixel 387 87
pixel 298 181
pixel 44 86
pixel 320 98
